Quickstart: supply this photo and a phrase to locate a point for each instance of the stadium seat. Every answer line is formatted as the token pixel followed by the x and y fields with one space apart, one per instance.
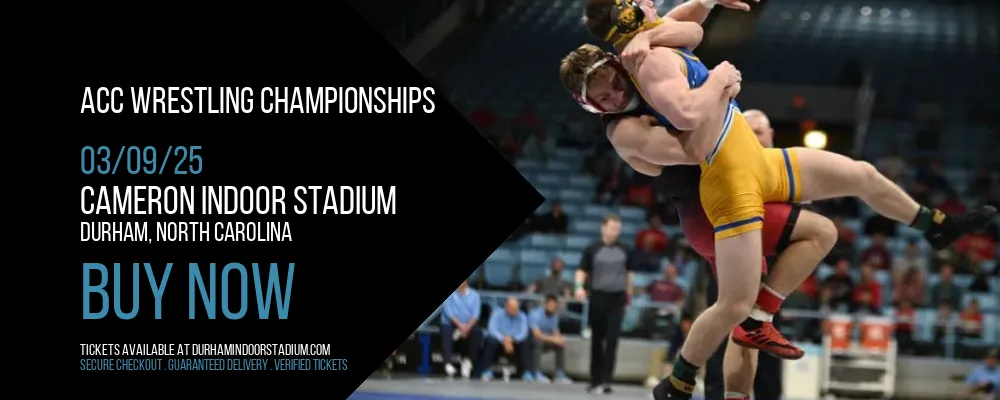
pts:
pixel 502 255
pixel 534 256
pixel 532 271
pixel 570 258
pixel 568 195
pixel 499 274
pixel 596 210
pixel 578 242
pixel 585 226
pixel 544 241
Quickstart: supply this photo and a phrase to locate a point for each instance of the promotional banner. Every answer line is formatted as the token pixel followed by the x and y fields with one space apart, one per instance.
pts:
pixel 259 208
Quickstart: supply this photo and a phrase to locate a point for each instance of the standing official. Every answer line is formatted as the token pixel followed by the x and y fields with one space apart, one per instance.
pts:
pixel 605 262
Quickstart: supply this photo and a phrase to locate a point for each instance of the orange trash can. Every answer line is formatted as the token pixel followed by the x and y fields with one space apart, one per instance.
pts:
pixel 876 333
pixel 839 331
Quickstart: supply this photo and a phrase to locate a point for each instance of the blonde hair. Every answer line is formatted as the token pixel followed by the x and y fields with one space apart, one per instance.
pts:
pixel 573 68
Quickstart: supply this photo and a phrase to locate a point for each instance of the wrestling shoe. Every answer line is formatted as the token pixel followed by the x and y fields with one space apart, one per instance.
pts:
pixel 769 340
pixel 672 388
pixel 948 229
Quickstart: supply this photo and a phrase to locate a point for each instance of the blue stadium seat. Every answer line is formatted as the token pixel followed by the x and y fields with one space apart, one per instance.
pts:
pixel 544 241
pixel 569 195
pixel 987 301
pixel 498 273
pixel 550 180
pixel 582 182
pixel 643 279
pixel 532 271
pixel 502 255
pixel 585 226
pixel 570 258
pixel 533 256
pixel 630 228
pixel 596 210
pixel 632 213
pixel 578 242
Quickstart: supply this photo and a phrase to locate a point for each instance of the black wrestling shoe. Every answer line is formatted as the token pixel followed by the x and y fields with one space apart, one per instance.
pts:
pixel 670 388
pixel 607 390
pixel 947 229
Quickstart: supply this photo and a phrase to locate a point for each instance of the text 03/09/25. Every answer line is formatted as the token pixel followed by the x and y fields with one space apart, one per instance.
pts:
pixel 145 160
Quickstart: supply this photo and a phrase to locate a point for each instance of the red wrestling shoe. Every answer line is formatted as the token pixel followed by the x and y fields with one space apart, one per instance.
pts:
pixel 768 340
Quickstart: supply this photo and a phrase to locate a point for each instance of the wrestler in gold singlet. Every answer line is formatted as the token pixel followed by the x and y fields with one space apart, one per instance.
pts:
pixel 738 175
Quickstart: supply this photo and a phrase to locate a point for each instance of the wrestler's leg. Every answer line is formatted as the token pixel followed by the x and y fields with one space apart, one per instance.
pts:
pixel 825 175
pixel 812 239
pixel 738 261
pixel 739 367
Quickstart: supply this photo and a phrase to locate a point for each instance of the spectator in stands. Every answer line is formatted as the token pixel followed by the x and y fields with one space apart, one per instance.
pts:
pixel 911 258
pixel 971 321
pixel 943 322
pixel 842 207
pixel 640 192
pixel 946 291
pixel 905 318
pixel 845 242
pixel 508 146
pixel 666 289
pixel 527 122
pixel 508 329
pixel 646 258
pixel 553 284
pixel 980 243
pixel 878 224
pixel 952 204
pixel 877 255
pixel 544 323
pixel 980 280
pixel 868 291
pixel 459 319
pixel 910 288
pixel 933 178
pixel 841 286
pixel 984 379
pixel 982 185
pixel 654 231
pixel 539 146
pixel 483 118
pixel 612 184
pixel 892 165
pixel 555 221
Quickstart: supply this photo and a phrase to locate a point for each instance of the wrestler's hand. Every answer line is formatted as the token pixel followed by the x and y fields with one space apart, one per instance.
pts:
pixel 737 4
pixel 733 90
pixel 727 73
pixel 635 51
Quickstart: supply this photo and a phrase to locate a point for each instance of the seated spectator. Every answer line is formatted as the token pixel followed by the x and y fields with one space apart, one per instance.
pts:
pixel 976 246
pixel 646 258
pixel 527 122
pixel 946 291
pixel 844 248
pixel 612 185
pixel 971 321
pixel 905 318
pixel 868 292
pixel 553 284
pixel 655 232
pixel 984 379
pixel 983 183
pixel 943 322
pixel 878 224
pixel 841 286
pixel 640 192
pixel 544 323
pixel 933 177
pixel 458 322
pixel 892 165
pixel 509 330
pixel 910 288
pixel 910 258
pixel 554 221
pixel 980 280
pixel 952 205
pixel 666 289
pixel 508 146
pixel 877 255
pixel 539 146
pixel 483 118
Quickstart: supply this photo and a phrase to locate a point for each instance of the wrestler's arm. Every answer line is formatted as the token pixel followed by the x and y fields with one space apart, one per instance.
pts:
pixel 646 147
pixel 666 88
pixel 673 33
pixel 691 10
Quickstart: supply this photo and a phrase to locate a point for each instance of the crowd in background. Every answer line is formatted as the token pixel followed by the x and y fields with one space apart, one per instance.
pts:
pixel 853 285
